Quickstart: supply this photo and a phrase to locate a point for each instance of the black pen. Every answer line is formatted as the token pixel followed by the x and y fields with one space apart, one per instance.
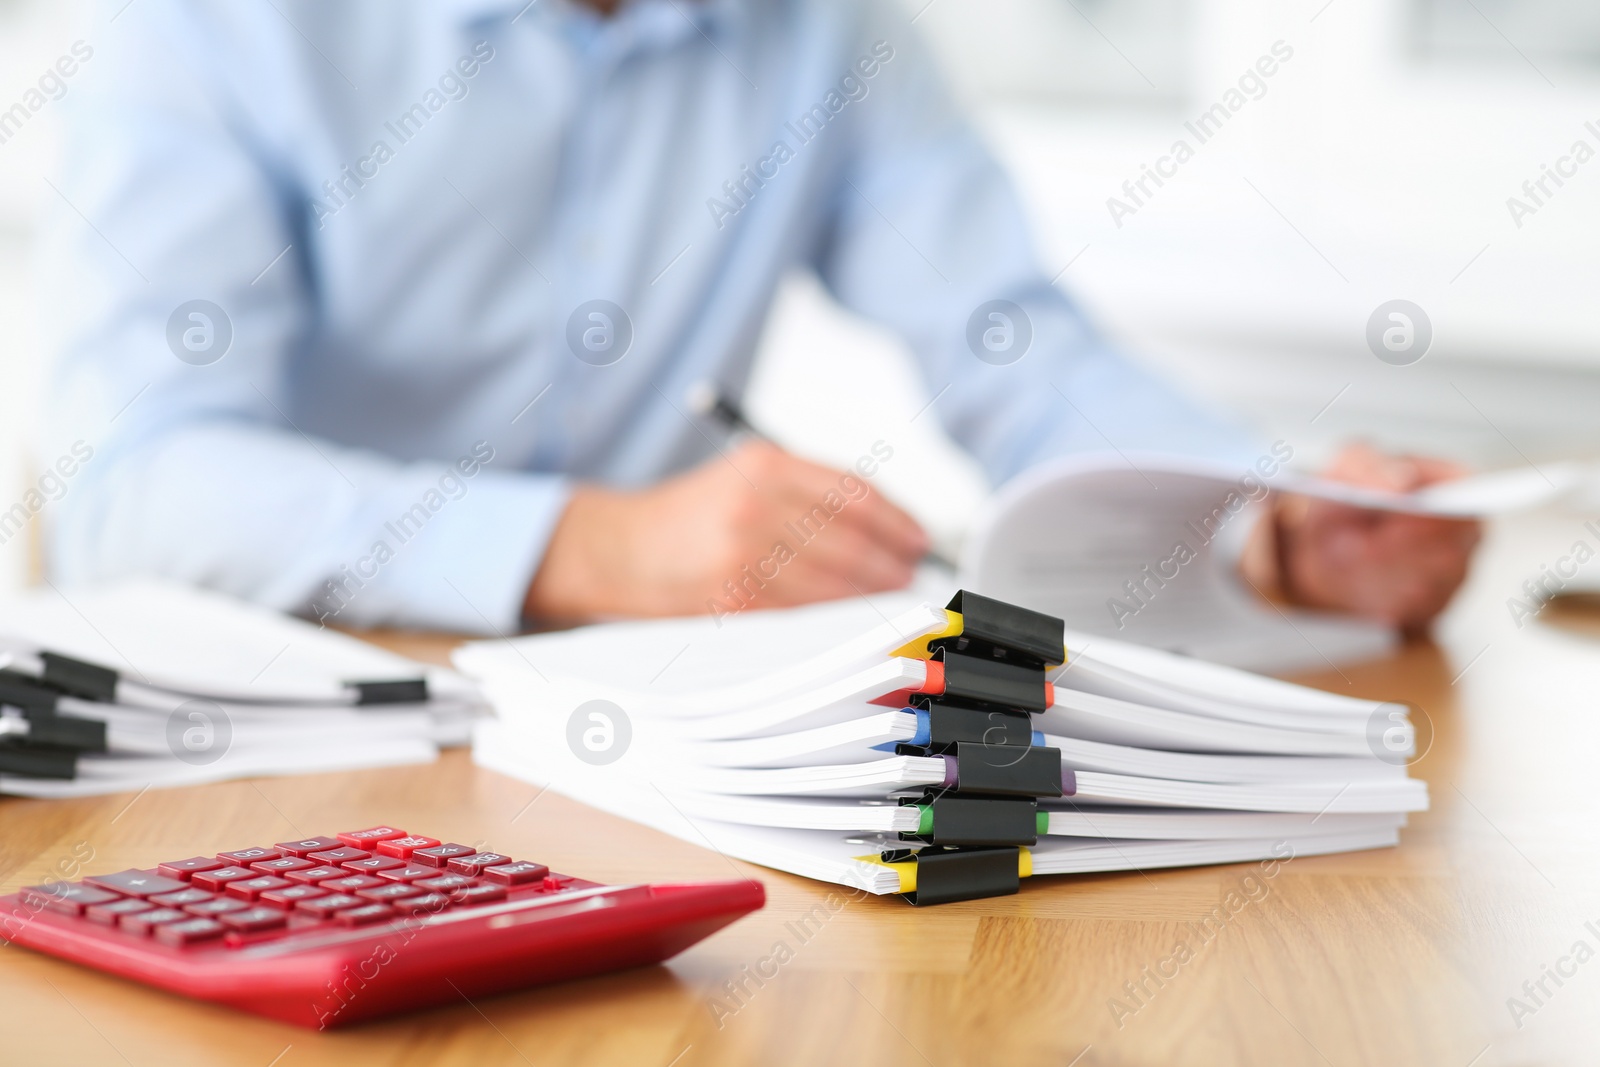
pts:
pixel 709 402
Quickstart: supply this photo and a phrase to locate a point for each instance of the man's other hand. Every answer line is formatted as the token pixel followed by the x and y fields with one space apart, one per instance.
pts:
pixel 1397 569
pixel 759 528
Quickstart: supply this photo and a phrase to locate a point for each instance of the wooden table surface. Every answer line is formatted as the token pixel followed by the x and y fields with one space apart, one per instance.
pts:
pixel 1404 956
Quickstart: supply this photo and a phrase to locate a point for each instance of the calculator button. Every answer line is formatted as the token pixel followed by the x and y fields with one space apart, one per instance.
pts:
pixel 290 895
pixel 282 865
pixel 519 873
pixel 246 856
pixel 68 898
pixel 408 872
pixel 373 864
pixel 403 847
pixel 317 875
pixel 181 897
pixel 306 847
pixel 477 863
pixel 187 933
pixel 217 906
pixel 252 919
pixel 428 902
pixel 135 883
pixel 440 855
pixel 478 894
pixel 557 881
pixel 444 883
pixel 338 855
pixel 383 894
pixel 368 838
pixel 250 888
pixel 142 922
pixel 322 907
pixel 217 879
pixel 368 914
pixel 182 869
pixel 350 883
pixel 109 913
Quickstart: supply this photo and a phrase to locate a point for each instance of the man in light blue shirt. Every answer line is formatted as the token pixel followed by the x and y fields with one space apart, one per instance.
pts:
pixel 384 310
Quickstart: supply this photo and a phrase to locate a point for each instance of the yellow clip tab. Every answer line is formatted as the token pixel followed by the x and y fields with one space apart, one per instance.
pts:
pixel 918 648
pixel 907 871
pixel 953 627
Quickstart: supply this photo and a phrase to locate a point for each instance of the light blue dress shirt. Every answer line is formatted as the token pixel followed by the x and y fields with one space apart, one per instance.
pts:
pixel 451 255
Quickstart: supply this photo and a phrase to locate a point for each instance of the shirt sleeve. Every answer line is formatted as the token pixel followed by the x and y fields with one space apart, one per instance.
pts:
pixel 181 413
pixel 928 238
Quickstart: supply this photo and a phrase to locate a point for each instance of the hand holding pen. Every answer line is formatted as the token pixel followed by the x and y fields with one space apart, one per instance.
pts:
pixel 754 527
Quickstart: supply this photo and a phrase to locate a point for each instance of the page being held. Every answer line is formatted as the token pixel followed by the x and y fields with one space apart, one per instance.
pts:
pixel 1396 568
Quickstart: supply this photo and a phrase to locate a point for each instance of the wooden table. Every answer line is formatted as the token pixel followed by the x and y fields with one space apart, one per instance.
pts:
pixel 1404 956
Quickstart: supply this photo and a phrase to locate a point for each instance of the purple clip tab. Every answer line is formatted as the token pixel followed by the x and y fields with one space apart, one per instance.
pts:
pixel 951 778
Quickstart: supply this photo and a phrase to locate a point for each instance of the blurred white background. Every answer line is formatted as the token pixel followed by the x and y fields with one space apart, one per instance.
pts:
pixel 1376 165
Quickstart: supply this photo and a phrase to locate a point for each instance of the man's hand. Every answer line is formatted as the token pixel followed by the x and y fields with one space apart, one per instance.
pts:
pixel 780 529
pixel 1398 569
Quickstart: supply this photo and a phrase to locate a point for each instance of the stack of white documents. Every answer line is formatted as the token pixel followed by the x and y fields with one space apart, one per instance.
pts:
pixel 150 684
pixel 818 741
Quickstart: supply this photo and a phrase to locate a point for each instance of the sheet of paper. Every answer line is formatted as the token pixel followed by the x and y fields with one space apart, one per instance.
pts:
pixel 1143 546
pixel 174 632
pixel 1147 557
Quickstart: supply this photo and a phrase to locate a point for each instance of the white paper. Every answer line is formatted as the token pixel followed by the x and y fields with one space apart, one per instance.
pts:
pixel 1105 543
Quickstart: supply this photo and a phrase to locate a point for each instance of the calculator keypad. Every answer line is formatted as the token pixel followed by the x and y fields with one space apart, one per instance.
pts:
pixel 408 872
pixel 368 838
pixel 246 856
pixel 184 869
pixel 348 880
pixel 477 862
pixel 135 883
pixel 216 881
pixel 251 888
pixel 439 855
pixel 181 897
pixel 403 847
pixel 338 856
pixel 318 874
pixel 189 931
pixel 142 923
pixel 302 849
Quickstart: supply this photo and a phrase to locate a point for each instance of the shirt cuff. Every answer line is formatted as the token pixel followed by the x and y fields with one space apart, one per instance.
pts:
pixel 468 569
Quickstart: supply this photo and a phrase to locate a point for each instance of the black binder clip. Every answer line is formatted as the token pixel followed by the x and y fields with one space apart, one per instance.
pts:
pixel 989 684
pixel 64 731
pixel 26 761
pixel 27 692
pixel 77 678
pixel 948 724
pixel 402 691
pixel 993 629
pixel 948 875
pixel 1005 771
pixel 947 819
pixel 28 729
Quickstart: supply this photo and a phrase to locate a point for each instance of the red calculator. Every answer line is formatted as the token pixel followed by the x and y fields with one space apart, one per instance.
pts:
pixel 331 930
